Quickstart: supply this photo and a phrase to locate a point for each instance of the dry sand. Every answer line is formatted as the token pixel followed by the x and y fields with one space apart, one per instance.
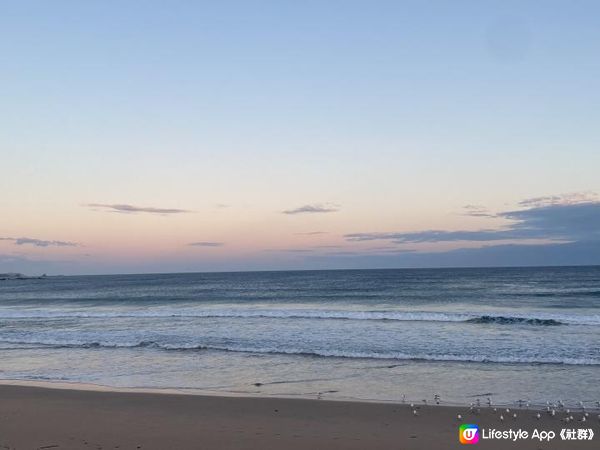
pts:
pixel 41 418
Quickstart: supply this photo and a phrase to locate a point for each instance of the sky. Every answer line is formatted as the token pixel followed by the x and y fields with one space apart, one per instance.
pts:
pixel 175 136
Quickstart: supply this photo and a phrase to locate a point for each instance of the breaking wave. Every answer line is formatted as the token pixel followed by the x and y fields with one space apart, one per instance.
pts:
pixel 404 316
pixel 329 353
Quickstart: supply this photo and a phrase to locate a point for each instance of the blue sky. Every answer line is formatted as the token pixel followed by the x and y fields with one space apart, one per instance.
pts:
pixel 363 118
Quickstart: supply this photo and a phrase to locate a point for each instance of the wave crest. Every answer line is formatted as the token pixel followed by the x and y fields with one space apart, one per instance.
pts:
pixel 381 315
pixel 397 356
pixel 504 320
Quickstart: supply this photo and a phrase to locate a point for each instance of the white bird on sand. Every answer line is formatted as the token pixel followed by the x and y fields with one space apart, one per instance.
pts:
pixel 459 417
pixel 495 409
pixel 583 419
pixel 567 420
pixel 412 405
pixel 415 413
pixel 538 416
pixel 501 418
pixel 507 410
pixel 553 413
pixel 514 415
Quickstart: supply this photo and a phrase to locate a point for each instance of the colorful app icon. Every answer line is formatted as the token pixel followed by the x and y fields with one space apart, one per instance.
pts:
pixel 468 433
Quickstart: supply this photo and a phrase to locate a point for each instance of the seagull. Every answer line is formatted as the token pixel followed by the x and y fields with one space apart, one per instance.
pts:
pixel 567 420
pixel 459 417
pixel 502 418
pixel 553 413
pixel 495 409
pixel 538 416
pixel 415 413
pixel 507 410
pixel 583 419
pixel 514 415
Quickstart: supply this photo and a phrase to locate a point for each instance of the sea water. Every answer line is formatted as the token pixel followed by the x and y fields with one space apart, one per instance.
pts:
pixel 507 333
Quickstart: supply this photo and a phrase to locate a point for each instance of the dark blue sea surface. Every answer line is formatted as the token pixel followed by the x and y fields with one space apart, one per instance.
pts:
pixel 531 333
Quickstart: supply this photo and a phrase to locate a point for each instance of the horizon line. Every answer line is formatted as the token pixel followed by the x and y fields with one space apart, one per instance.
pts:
pixel 535 266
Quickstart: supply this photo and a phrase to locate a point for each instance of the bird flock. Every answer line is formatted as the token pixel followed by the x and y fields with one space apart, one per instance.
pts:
pixel 580 413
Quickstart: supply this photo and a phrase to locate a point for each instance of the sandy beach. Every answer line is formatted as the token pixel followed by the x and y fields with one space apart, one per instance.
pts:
pixel 42 418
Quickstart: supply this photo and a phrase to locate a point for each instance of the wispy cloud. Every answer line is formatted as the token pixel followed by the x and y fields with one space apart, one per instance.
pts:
pixel 429 236
pixel 562 199
pixel 39 242
pixel 369 252
pixel 311 233
pixel 564 221
pixel 477 211
pixel 131 209
pixel 316 208
pixel 206 244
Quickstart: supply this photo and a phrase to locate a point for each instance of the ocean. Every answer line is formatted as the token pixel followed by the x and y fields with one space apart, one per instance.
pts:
pixel 530 334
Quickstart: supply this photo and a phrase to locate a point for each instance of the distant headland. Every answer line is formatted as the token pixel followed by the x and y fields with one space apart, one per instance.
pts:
pixel 19 276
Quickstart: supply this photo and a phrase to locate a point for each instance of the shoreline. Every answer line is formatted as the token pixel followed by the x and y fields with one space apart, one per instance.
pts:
pixel 593 407
pixel 66 418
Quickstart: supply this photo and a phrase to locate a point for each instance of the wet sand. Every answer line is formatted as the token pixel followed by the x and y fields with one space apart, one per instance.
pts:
pixel 42 418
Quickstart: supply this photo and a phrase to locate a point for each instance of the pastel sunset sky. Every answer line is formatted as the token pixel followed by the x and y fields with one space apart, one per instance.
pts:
pixel 164 136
